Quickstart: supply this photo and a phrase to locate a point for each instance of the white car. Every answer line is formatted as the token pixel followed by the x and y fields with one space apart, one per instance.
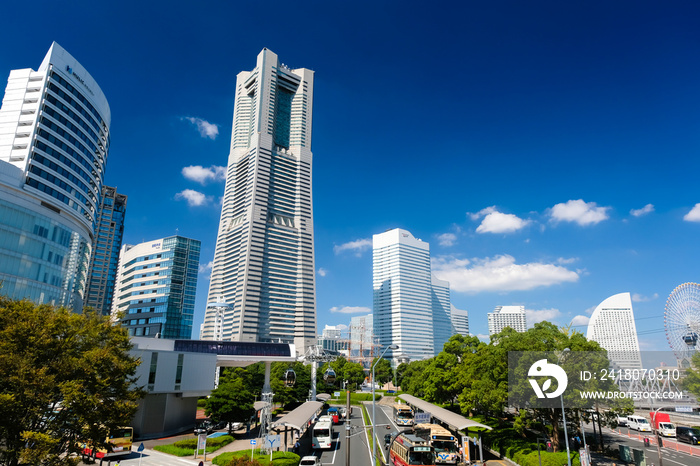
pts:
pixel 310 461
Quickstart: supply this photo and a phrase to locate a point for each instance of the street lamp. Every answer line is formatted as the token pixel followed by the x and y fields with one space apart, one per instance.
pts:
pixel 374 402
pixel 563 414
pixel 658 442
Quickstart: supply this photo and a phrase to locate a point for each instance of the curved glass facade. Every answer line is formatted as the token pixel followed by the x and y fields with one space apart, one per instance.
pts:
pixel 54 140
pixel 41 259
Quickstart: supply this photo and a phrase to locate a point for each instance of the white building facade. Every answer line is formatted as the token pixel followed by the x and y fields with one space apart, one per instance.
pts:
pixel 507 316
pixel 612 327
pixel 263 278
pixel 54 141
pixel 411 306
pixel 460 321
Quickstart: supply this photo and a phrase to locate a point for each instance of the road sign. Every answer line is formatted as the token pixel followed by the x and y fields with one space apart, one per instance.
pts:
pixel 273 441
pixel 422 418
pixel 141 447
pixel 336 394
pixel 253 441
pixel 684 409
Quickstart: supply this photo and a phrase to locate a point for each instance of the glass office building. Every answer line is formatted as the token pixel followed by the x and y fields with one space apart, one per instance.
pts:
pixel 411 306
pixel 262 283
pixel 109 232
pixel 156 287
pixel 54 141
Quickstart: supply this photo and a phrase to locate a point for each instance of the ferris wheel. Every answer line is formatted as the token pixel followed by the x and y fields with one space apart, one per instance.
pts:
pixel 682 320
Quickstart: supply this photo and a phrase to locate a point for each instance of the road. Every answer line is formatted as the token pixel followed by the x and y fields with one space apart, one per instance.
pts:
pixel 385 424
pixel 670 456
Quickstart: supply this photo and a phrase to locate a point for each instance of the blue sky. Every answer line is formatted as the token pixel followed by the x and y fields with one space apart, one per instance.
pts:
pixel 547 150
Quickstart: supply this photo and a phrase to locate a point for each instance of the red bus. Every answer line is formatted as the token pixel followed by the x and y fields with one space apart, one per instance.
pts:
pixel 407 449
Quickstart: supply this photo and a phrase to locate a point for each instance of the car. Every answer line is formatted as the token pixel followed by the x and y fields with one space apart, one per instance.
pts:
pixel 622 421
pixel 343 413
pixel 387 440
pixel 310 461
pixel 235 426
pixel 688 434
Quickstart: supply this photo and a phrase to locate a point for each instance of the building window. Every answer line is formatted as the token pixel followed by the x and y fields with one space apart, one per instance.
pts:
pixel 152 372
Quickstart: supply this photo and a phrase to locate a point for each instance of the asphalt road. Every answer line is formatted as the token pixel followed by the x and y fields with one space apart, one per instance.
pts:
pixel 670 456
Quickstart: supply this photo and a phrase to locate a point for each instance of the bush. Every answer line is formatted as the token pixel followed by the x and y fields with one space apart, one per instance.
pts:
pixel 242 458
pixel 187 446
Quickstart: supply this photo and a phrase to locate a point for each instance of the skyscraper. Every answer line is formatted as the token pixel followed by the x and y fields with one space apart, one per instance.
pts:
pixel 460 321
pixel 156 287
pixel 109 231
pixel 262 283
pixel 54 140
pixel 507 316
pixel 411 306
pixel 612 326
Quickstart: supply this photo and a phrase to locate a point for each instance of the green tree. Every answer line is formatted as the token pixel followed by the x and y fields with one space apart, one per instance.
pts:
pixel 382 371
pixel 231 401
pixel 353 372
pixel 66 377
pixel 691 382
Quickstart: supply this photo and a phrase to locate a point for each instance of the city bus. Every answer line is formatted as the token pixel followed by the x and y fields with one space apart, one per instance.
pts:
pixel 407 449
pixel 120 440
pixel 445 444
pixel 322 436
pixel 403 415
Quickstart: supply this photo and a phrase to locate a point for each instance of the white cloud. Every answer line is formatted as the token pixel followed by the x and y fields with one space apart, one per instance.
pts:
pixel 590 310
pixel 447 239
pixel 498 222
pixel 322 272
pixel 484 337
pixel 193 198
pixel 203 268
pixel 499 273
pixel 693 215
pixel 535 316
pixel 647 209
pixel 351 310
pixel 201 175
pixel 359 246
pixel 564 261
pixel 580 321
pixel 638 298
pixel 482 213
pixel 206 129
pixel 583 213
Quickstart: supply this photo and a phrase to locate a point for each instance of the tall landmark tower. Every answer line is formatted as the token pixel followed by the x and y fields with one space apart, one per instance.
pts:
pixel 262 283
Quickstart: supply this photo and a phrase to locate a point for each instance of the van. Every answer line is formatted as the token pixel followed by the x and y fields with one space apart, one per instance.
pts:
pixel 688 434
pixel 622 421
pixel 638 423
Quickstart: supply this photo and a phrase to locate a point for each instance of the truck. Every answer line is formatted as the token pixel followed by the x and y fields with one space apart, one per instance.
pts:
pixel 661 422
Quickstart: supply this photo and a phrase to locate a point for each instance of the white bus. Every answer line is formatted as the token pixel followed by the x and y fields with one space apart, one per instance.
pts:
pixel 322 436
pixel 403 415
pixel 445 444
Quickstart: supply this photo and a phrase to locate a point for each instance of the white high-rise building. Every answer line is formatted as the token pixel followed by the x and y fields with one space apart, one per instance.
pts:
pixel 411 306
pixel 507 316
pixel 612 326
pixel 460 321
pixel 262 283
pixel 54 140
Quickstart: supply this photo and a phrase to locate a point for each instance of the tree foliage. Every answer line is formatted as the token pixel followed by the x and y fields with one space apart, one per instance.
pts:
pixel 66 378
pixel 231 401
pixel 691 382
pixel 382 370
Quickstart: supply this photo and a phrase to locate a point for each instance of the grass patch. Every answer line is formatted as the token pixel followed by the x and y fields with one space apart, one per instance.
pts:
pixel 279 458
pixel 356 398
pixel 186 447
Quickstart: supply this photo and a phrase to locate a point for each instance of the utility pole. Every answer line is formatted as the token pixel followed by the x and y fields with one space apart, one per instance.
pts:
pixel 347 423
